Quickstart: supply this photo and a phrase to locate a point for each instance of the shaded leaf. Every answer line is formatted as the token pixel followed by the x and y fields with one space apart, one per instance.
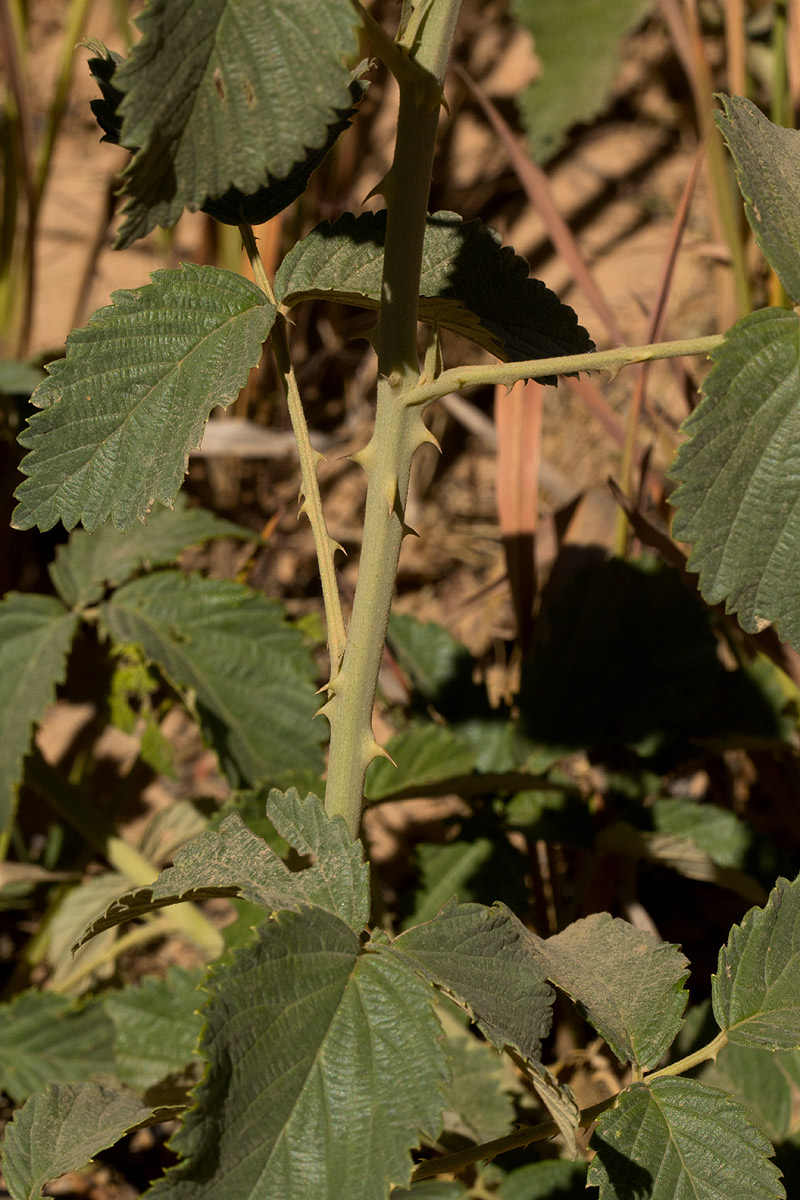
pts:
pixel 122 411
pixel 248 669
pixel 46 1038
pixel 428 653
pixel 649 1146
pixel 579 61
pixel 482 868
pixel 91 562
pixel 724 837
pixel 431 1189
pixel 35 636
pixel 479 1095
pixel 739 471
pixel 236 862
pixel 156 1026
pixel 756 990
pixel 470 284
pixel 60 1130
pixel 423 754
pixel 225 93
pixel 553 1179
pixel 324 1064
pixel 624 982
pixel 761 1081
pixel 18 378
pixel 767 160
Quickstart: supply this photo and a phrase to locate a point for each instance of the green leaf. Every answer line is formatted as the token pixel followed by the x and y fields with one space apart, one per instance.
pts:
pixel 482 868
pixel 236 862
pixel 60 1130
pixel 157 1027
pixel 324 1065
pixel 579 61
pixel 470 284
pixel 739 497
pixel 423 754
pixel 124 408
pixel 764 1082
pixel 35 636
pixel 209 636
pixel 767 161
pixel 756 990
pixel 73 911
pixel 724 837
pixel 553 1179
pixel 431 1189
pixel 47 1038
pixel 481 958
pixel 652 1145
pixel 18 378
pixel 429 654
pixel 482 1082
pixel 91 562
pixel 624 982
pixel 225 93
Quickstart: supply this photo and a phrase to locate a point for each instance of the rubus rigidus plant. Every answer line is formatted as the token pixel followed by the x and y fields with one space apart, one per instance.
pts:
pixel 323 1052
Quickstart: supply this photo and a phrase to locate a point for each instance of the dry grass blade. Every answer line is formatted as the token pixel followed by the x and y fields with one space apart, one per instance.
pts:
pixel 518 416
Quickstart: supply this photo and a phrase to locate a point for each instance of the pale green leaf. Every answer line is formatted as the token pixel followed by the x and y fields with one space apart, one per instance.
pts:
pixel 724 837
pixel 767 158
pixel 222 93
pixel 421 754
pixel 18 378
pixel 625 983
pixel 122 411
pixel 47 1038
pixel 756 990
pixel 579 58
pixel 323 1066
pixel 739 499
pixel 470 284
pixel 91 562
pixel 35 636
pixel 431 1189
pixel 234 651
pixel 677 1139
pixel 60 1130
pixel 762 1081
pixel 157 1027
pixel 235 862
pixel 429 655
pixel 75 909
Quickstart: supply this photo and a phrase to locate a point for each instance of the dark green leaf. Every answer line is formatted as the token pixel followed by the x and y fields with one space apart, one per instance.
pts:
pixel 768 169
pixel 431 1189
pixel 579 59
pixel 756 990
pixel 47 1038
pixel 249 670
pixel 470 284
pixel 478 1100
pixel 739 497
pixel 651 1145
pixel 157 1027
pixel 91 562
pixel 35 636
pixel 324 1065
pixel 553 1179
pixel 131 399
pixel 424 754
pixel 225 93
pixel 760 1080
pixel 473 867
pixel 625 983
pixel 60 1130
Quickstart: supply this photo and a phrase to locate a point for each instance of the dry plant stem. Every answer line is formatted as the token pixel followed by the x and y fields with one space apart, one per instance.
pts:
pixel 325 545
pixel 399 428
pixel 154 927
pixel 736 46
pixel 604 360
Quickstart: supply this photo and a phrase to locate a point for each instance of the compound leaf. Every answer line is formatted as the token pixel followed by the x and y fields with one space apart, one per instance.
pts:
pixel 60 1130
pixel 625 983
pixel 122 411
pixel 739 499
pixel 233 649
pixel 234 861
pixel 470 284
pixel 156 1026
pixel 48 1038
pixel 756 990
pixel 91 562
pixel 324 1064
pixel 225 93
pixel 767 161
pixel 579 60
pixel 35 636
pixel 651 1145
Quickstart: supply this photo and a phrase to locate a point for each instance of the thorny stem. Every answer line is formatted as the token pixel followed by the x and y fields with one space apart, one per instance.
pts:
pixel 326 547
pixel 704 1054
pixel 399 428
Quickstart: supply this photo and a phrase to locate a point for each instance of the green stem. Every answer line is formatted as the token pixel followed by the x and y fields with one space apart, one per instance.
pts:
pixel 569 364
pixel 704 1054
pixel 74 806
pixel 399 428
pixel 325 545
